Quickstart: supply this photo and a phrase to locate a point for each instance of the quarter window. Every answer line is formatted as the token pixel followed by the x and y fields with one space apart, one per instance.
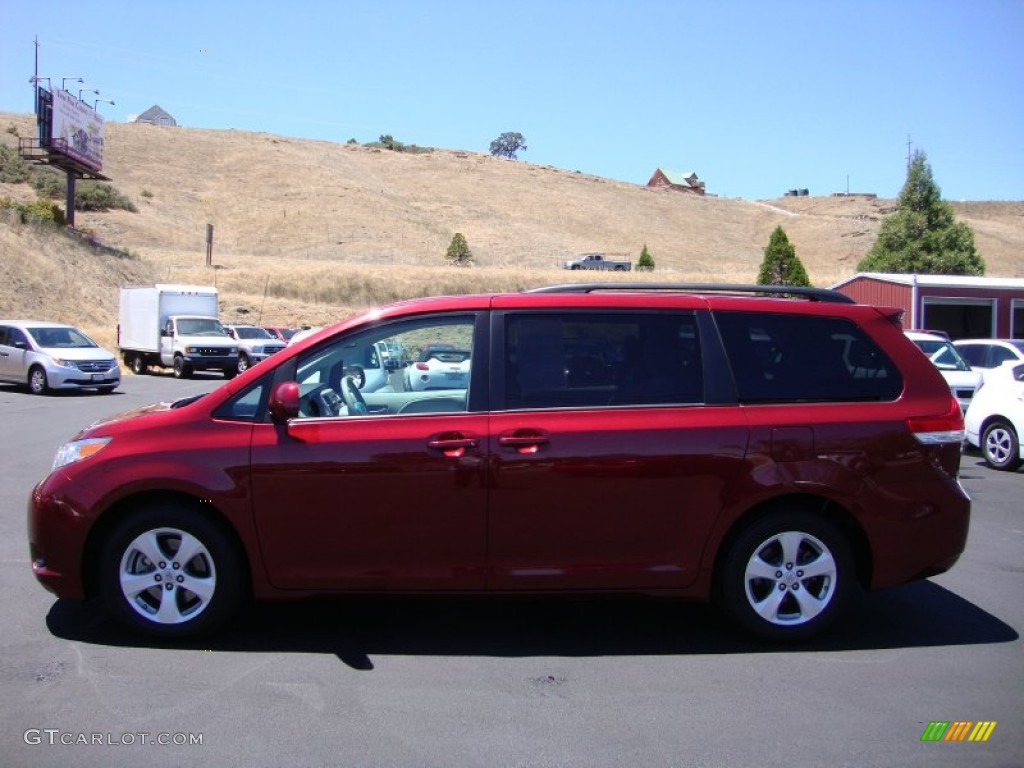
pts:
pixel 800 358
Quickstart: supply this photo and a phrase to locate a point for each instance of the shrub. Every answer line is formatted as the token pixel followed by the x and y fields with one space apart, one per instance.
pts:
pixel 49 184
pixel 96 196
pixel 13 169
pixel 39 210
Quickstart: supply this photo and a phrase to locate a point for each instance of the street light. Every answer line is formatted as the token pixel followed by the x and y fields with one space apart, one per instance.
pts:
pixel 72 79
pixel 86 90
pixel 105 101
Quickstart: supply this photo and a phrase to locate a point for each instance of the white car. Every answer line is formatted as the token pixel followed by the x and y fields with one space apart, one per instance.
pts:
pixel 962 379
pixel 45 356
pixel 990 353
pixel 440 366
pixel 995 420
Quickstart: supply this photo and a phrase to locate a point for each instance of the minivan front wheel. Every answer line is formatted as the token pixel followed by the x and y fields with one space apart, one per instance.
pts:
pixel 167 572
pixel 37 383
pixel 787 576
pixel 1000 446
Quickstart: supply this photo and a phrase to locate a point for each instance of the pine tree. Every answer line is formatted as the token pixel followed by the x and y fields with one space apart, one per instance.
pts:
pixel 922 235
pixel 781 265
pixel 458 252
pixel 646 262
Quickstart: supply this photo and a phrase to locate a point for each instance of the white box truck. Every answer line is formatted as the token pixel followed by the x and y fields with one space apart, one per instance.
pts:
pixel 174 326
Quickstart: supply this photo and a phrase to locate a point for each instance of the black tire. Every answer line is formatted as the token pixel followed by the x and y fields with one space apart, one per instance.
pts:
pixel 37 383
pixel 1000 446
pixel 764 584
pixel 182 370
pixel 139 366
pixel 243 362
pixel 174 612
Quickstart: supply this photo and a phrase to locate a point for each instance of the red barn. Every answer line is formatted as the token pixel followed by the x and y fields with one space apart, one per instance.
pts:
pixel 963 307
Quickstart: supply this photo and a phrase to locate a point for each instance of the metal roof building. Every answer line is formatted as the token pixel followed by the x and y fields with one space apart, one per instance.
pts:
pixel 964 307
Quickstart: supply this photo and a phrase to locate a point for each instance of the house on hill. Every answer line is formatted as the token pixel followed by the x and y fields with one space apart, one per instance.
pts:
pixel 156 115
pixel 681 182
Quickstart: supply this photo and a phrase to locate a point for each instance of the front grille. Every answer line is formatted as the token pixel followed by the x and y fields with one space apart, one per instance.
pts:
pixel 94 366
pixel 210 352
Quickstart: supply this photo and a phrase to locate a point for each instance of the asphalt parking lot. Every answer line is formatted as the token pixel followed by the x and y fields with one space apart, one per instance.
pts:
pixel 476 682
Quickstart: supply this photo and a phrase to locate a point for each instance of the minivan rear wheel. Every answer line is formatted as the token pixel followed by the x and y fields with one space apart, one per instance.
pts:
pixel 1001 446
pixel 787 576
pixel 167 572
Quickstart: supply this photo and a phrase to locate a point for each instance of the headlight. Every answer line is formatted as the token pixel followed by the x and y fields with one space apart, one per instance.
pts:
pixel 77 450
pixel 64 363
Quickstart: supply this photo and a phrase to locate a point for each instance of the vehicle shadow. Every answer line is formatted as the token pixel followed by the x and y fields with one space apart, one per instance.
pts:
pixel 356 629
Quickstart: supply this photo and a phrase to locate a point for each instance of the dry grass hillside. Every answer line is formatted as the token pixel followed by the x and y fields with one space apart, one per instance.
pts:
pixel 306 231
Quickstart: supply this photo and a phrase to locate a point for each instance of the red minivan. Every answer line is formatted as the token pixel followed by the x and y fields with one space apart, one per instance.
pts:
pixel 770 453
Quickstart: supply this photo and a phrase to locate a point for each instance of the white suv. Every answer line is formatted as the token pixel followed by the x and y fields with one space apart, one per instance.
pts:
pixel 962 380
pixel 990 353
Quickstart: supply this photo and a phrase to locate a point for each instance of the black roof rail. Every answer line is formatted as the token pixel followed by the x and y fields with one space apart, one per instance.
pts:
pixel 813 294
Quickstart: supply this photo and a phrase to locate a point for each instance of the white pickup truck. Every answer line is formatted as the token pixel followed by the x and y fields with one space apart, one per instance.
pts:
pixel 598 261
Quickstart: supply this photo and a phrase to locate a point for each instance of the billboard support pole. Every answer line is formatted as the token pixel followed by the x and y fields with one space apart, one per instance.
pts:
pixel 69 198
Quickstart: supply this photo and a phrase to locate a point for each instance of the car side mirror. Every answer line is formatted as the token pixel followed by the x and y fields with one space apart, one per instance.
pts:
pixel 284 402
pixel 20 344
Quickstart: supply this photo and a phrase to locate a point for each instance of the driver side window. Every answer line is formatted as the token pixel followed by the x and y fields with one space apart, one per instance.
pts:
pixel 410 367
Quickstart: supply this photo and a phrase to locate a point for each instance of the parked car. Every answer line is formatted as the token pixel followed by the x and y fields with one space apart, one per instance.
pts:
pixel 302 334
pixel 995 420
pixel 439 366
pixel 985 354
pixel 962 379
pixel 255 344
pixel 770 454
pixel 280 332
pixel 45 356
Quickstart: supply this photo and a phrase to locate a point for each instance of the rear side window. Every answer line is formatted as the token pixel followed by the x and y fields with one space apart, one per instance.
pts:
pixel 799 358
pixel 591 360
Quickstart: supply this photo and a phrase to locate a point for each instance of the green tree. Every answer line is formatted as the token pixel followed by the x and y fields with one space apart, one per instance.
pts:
pixel 922 234
pixel 458 252
pixel 781 265
pixel 507 144
pixel 646 262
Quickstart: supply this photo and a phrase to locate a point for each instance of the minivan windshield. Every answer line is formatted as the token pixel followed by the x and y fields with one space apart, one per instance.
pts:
pixel 61 338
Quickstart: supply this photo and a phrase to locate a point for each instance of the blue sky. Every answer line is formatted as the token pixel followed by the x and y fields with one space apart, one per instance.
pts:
pixel 756 97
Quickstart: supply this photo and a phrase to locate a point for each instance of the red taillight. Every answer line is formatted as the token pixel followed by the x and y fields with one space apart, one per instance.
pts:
pixel 940 428
pixel 422 367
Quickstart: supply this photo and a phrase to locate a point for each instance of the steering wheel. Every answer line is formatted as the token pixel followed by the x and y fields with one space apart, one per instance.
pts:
pixel 352 396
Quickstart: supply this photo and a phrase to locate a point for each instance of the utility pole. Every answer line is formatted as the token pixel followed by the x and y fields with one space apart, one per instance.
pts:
pixel 909 145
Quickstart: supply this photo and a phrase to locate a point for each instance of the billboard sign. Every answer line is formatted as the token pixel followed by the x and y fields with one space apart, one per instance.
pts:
pixel 77 130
